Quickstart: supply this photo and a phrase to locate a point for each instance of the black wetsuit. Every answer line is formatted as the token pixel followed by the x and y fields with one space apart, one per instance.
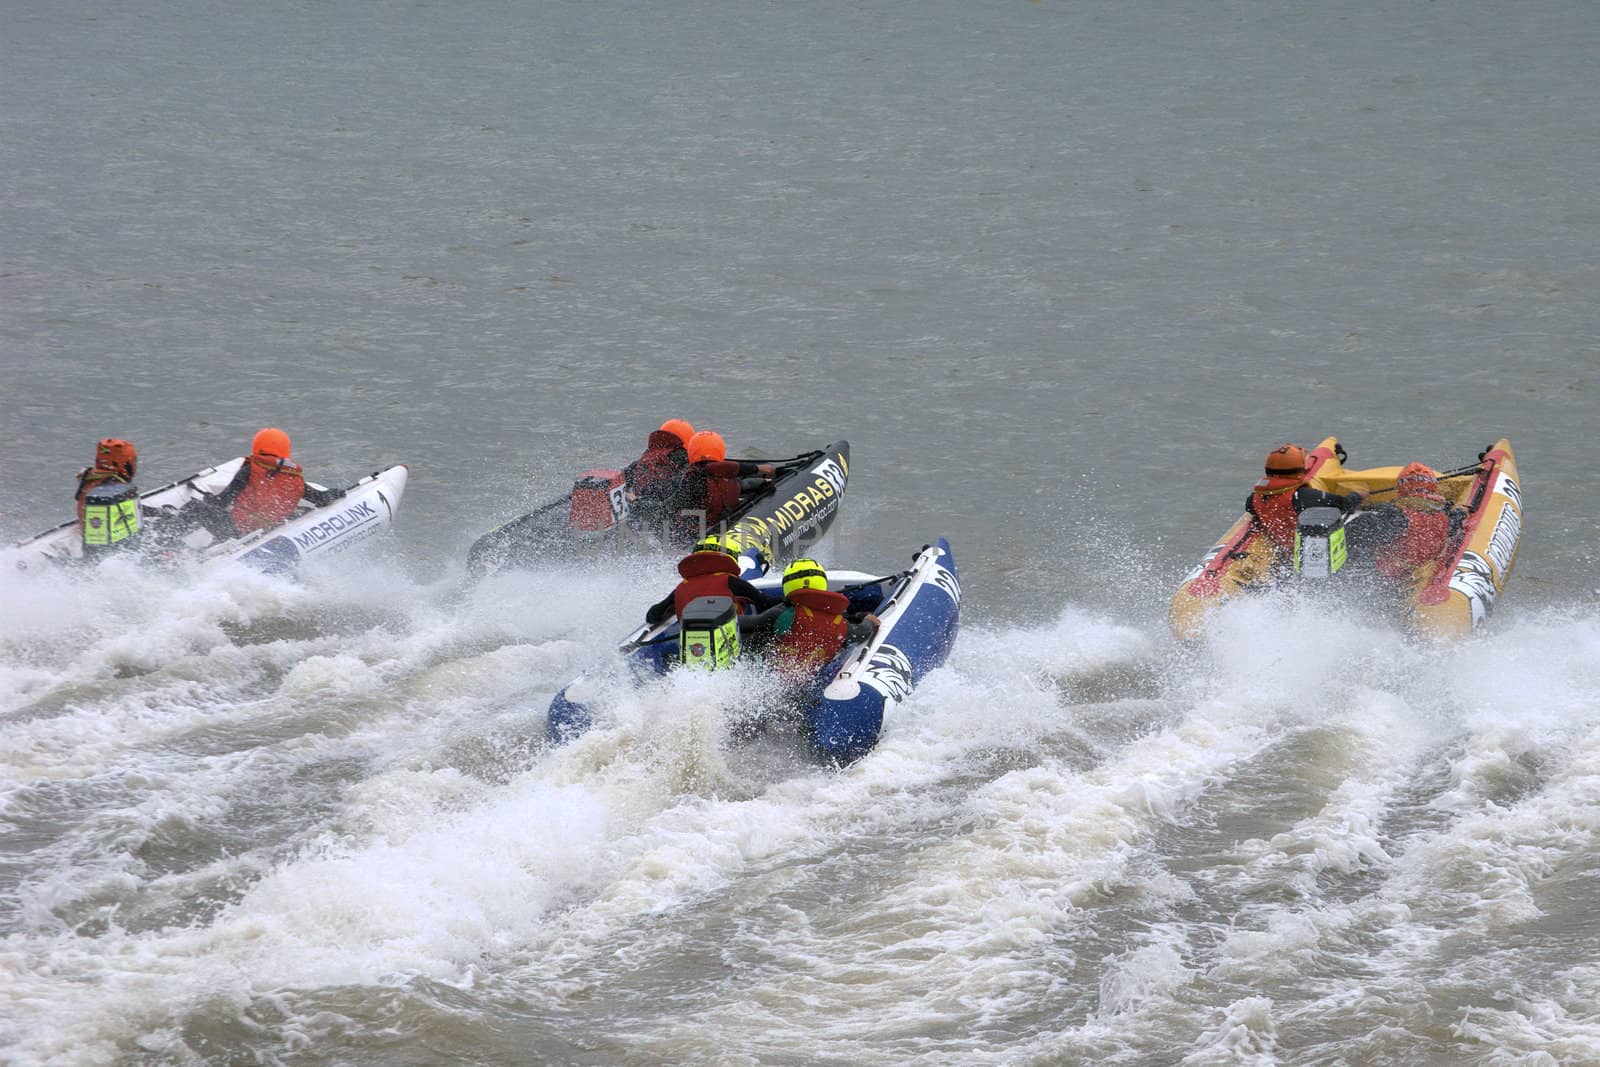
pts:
pixel 704 487
pixel 1307 497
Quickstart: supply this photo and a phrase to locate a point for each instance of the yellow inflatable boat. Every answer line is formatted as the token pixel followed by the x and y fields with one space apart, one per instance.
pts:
pixel 1450 594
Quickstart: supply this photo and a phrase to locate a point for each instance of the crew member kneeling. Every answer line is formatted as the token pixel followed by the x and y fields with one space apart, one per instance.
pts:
pixel 652 479
pixel 1416 528
pixel 812 628
pixel 266 490
pixel 707 603
pixel 108 501
pixel 713 486
pixel 1278 499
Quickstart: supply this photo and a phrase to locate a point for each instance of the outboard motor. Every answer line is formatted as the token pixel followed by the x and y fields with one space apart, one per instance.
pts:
pixel 598 502
pixel 110 518
pixel 708 633
pixel 1319 543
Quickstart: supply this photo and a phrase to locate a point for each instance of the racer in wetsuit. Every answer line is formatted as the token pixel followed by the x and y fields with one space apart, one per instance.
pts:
pixel 653 479
pixel 713 485
pixel 712 569
pixel 1278 499
pixel 266 491
pixel 1415 529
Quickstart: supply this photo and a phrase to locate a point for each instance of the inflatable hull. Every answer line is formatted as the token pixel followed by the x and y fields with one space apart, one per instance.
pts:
pixel 785 522
pixel 367 508
pixel 844 706
pixel 919 624
pixel 1451 595
pixel 1458 596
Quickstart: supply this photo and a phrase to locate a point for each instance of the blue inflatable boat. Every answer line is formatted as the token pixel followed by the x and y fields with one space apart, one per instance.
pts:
pixel 843 706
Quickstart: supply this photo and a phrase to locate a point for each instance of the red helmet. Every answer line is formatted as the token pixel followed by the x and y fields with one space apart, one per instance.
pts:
pixel 707 444
pixel 116 455
pixel 1417 479
pixel 679 428
pixel 272 443
pixel 1286 460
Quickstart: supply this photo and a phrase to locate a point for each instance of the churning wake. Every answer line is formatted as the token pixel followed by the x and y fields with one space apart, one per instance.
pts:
pixel 318 820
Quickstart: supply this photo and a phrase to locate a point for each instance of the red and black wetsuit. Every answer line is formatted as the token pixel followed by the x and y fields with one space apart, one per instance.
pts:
pixel 1276 504
pixel 1402 538
pixel 708 574
pixel 715 487
pixel 653 479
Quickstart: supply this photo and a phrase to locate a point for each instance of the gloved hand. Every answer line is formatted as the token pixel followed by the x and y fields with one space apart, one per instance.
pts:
pixel 767 470
pixel 877 623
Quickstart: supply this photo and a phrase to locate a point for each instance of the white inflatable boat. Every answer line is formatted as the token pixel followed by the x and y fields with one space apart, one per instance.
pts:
pixel 367 508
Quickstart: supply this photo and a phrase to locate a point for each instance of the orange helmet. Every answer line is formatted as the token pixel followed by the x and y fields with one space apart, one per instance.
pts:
pixel 679 427
pixel 115 454
pixel 1417 479
pixel 271 442
pixel 707 444
pixel 1286 459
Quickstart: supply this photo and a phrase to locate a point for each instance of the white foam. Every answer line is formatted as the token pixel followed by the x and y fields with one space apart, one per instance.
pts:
pixel 1244 1036
pixel 1004 840
pixel 1539 1030
pixel 1152 973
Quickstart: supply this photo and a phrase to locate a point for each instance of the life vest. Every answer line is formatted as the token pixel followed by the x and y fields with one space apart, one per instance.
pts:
pixel 816 632
pixel 1426 534
pixel 704 574
pixel 1273 504
pixel 655 474
pixel 90 477
pixel 270 496
pixel 109 516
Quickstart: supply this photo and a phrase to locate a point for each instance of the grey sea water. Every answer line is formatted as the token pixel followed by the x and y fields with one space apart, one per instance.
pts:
pixel 1060 272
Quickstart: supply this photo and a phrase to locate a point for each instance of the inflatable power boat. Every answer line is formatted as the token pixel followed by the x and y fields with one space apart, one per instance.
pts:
pixel 366 508
pixel 843 705
pixel 596 515
pixel 1449 595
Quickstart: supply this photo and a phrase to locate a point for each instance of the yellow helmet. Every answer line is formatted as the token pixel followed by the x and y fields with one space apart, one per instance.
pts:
pixel 804 574
pixel 727 544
